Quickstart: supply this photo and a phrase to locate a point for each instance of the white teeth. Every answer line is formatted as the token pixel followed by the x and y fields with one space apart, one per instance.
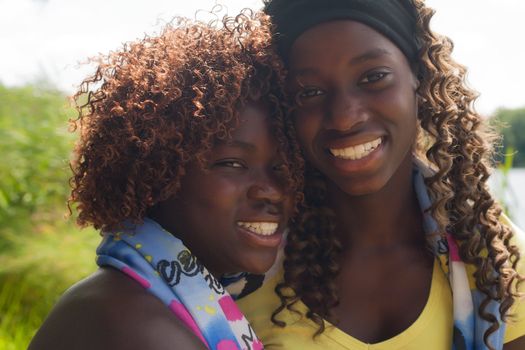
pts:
pixel 260 228
pixel 356 152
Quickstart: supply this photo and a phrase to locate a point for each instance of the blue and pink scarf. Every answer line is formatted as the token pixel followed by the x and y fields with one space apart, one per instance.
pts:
pixel 161 264
pixel 469 327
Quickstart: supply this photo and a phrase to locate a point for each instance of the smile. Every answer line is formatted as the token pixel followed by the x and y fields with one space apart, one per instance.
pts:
pixel 356 152
pixel 259 228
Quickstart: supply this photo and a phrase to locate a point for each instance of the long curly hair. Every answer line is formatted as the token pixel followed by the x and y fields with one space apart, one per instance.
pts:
pixel 455 142
pixel 163 101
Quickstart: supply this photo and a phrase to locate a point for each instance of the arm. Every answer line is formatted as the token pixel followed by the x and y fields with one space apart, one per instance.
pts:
pixel 516 344
pixel 110 311
pixel 518 309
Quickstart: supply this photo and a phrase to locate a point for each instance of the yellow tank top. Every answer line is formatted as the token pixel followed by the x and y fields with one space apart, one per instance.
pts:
pixel 431 331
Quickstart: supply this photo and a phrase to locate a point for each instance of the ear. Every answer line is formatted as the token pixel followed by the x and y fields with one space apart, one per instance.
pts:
pixel 415 82
pixel 415 85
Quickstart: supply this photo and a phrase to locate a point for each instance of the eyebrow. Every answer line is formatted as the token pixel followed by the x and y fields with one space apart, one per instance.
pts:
pixel 367 56
pixel 370 55
pixel 240 144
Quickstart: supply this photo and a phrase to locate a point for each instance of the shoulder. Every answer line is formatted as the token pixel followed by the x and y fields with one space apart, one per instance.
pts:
pixel 108 310
pixel 515 328
pixel 259 306
pixel 519 236
pixel 517 344
pixel 515 325
pixel 263 298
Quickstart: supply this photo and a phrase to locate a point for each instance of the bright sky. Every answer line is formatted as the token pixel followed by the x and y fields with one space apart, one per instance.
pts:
pixel 48 38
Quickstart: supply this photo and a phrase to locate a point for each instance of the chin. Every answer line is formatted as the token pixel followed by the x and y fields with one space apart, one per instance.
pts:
pixel 258 265
pixel 363 188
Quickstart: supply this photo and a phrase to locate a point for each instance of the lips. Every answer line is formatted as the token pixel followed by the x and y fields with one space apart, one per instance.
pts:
pixel 356 152
pixel 261 233
pixel 264 228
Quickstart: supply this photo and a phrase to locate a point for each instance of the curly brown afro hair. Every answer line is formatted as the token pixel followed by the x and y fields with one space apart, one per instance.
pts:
pixel 163 101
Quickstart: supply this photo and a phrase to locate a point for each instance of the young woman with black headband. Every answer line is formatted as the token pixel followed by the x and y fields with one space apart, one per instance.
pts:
pixel 399 244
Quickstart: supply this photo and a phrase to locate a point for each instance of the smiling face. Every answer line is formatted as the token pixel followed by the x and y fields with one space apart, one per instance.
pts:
pixel 357 113
pixel 232 214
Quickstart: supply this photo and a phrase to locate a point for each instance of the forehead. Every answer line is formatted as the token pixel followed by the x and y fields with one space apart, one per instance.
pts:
pixel 254 124
pixel 339 42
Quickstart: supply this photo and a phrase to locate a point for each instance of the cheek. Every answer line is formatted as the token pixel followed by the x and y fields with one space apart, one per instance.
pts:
pixel 307 127
pixel 402 107
pixel 412 118
pixel 209 195
pixel 223 196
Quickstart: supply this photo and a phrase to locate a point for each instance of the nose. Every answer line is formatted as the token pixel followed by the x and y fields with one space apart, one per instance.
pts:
pixel 345 111
pixel 266 189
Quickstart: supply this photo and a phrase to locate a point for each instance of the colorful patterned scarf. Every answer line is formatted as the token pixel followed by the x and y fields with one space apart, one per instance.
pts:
pixel 161 263
pixel 469 327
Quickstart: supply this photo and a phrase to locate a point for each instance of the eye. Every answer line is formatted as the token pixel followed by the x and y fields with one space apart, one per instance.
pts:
pixel 230 163
pixel 309 92
pixel 374 77
pixel 281 173
pixel 280 167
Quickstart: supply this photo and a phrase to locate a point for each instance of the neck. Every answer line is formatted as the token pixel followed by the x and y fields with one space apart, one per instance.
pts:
pixel 159 216
pixel 387 218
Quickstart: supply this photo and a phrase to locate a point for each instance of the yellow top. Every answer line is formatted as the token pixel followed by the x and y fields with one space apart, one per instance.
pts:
pixel 431 331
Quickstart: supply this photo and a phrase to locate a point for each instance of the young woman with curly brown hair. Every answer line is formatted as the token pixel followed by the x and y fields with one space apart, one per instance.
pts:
pixel 399 244
pixel 183 147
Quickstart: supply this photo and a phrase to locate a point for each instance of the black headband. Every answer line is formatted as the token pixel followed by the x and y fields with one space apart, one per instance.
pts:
pixel 395 19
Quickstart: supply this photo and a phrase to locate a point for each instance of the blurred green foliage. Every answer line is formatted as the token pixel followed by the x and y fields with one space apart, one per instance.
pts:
pixel 35 145
pixel 511 124
pixel 41 251
pixel 502 188
pixel 41 264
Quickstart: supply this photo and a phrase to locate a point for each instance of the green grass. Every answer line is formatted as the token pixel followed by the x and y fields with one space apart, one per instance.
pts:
pixel 38 267
pixel 41 254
